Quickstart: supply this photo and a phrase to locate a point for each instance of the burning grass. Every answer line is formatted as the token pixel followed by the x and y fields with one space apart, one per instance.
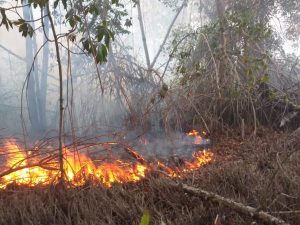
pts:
pixel 31 169
pixel 261 172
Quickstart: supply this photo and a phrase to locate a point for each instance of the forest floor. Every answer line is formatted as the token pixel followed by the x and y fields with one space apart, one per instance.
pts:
pixel 260 171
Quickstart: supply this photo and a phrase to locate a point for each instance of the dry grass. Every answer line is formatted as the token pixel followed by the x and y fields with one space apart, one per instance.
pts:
pixel 256 172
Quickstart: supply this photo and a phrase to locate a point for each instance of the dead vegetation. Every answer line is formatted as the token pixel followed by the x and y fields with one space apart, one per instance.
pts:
pixel 224 81
pixel 261 172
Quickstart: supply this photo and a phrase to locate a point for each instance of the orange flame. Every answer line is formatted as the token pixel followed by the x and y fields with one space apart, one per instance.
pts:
pixel 24 169
pixel 197 138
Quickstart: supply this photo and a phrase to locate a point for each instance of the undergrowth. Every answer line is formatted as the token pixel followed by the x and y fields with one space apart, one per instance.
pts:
pixel 261 172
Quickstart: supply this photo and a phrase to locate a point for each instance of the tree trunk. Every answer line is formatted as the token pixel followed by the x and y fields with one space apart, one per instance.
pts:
pixel 222 41
pixel 36 77
pixel 31 85
pixel 44 75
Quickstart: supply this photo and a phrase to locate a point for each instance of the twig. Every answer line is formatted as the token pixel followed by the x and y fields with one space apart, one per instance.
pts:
pixel 61 106
pixel 12 53
pixel 168 34
pixel 135 155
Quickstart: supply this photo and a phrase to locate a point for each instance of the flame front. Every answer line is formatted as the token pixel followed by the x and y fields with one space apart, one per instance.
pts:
pixel 22 169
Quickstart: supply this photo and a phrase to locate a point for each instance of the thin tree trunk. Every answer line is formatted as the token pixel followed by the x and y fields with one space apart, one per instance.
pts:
pixel 44 75
pixel 61 107
pixel 141 22
pixel 222 40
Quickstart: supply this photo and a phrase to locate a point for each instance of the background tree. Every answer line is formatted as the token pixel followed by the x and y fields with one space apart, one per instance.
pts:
pixel 97 44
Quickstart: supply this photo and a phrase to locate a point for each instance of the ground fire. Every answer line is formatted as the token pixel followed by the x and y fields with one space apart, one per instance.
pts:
pixel 28 169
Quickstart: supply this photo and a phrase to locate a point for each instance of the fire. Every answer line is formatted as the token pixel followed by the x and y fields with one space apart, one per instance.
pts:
pixel 26 175
pixel 78 169
pixel 197 138
pixel 26 169
pixel 200 159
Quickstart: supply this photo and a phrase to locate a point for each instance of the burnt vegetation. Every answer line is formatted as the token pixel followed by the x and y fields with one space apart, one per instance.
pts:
pixel 150 112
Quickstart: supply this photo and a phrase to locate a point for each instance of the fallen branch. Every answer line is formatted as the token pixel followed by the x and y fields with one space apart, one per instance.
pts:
pixel 236 206
pixel 296 212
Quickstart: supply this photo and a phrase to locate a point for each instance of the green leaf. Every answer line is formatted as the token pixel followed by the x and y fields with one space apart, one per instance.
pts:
pixel 99 57
pixel 26 29
pixel 112 35
pixel 77 18
pixel 104 51
pixel 6 24
pixel 100 36
pixel 101 54
pixel 86 45
pixel 93 48
pixel 107 40
pixel 128 23
pixel 18 22
pixel 30 30
pixel 10 24
pixel 72 21
pixel 94 10
pixel 145 218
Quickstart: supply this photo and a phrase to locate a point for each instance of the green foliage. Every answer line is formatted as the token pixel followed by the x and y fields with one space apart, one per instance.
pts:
pixel 95 22
pixel 198 53
pixel 97 45
pixel 243 23
pixel 98 25
pixel 24 27
pixel 256 69
pixel 145 218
